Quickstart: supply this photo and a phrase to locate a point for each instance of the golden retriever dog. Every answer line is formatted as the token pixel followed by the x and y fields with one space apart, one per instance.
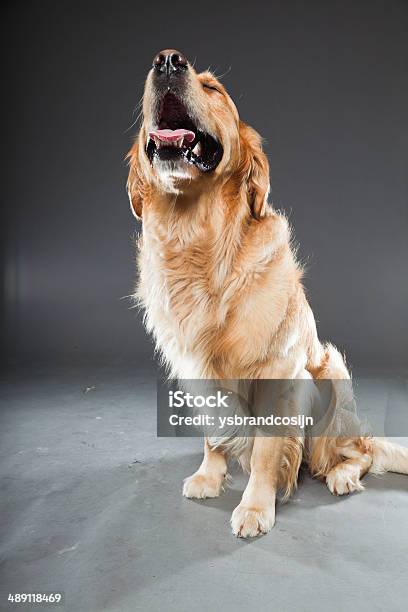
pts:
pixel 221 287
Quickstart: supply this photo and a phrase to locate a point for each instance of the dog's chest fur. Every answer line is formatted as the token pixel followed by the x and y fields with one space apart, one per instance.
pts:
pixel 213 302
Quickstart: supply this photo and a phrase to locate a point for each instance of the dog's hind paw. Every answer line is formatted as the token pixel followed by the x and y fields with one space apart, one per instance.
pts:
pixel 344 478
pixel 250 522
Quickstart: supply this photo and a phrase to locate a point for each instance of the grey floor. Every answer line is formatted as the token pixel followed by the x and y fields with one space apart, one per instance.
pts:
pixel 91 505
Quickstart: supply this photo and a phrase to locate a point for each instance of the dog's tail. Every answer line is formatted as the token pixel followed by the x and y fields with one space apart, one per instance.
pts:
pixel 388 457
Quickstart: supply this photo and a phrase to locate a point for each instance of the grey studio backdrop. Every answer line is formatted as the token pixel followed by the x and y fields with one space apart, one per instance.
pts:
pixel 326 85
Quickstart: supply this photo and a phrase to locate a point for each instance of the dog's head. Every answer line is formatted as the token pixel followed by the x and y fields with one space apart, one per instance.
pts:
pixel 192 139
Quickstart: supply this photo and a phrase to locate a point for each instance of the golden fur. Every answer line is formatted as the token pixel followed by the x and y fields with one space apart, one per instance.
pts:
pixel 223 296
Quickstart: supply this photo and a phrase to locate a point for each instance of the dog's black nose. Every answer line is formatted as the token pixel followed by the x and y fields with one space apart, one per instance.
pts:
pixel 170 62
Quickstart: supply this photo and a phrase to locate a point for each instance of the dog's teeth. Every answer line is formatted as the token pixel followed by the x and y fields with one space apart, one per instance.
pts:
pixel 167 143
pixel 197 149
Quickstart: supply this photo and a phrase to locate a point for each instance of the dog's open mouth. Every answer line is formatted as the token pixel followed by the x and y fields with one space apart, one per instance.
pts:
pixel 178 138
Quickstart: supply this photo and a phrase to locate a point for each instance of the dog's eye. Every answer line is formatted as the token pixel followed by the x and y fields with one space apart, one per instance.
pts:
pixel 206 86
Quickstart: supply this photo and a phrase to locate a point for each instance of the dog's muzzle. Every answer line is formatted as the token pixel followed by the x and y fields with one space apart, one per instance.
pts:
pixel 175 134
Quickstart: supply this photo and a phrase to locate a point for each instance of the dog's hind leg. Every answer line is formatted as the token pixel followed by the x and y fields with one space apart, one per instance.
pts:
pixel 389 457
pixel 357 457
pixel 342 460
pixel 209 479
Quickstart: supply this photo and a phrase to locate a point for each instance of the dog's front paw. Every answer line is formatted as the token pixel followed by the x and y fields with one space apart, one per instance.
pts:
pixel 344 479
pixel 250 522
pixel 200 486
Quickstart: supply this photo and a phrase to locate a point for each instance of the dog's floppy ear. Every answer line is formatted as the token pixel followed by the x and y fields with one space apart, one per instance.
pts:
pixel 134 182
pixel 255 169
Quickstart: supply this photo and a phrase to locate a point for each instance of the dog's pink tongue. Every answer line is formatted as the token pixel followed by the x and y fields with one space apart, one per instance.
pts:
pixel 173 135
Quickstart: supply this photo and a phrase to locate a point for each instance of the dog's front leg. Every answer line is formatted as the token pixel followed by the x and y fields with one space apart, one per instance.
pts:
pixel 256 512
pixel 209 479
